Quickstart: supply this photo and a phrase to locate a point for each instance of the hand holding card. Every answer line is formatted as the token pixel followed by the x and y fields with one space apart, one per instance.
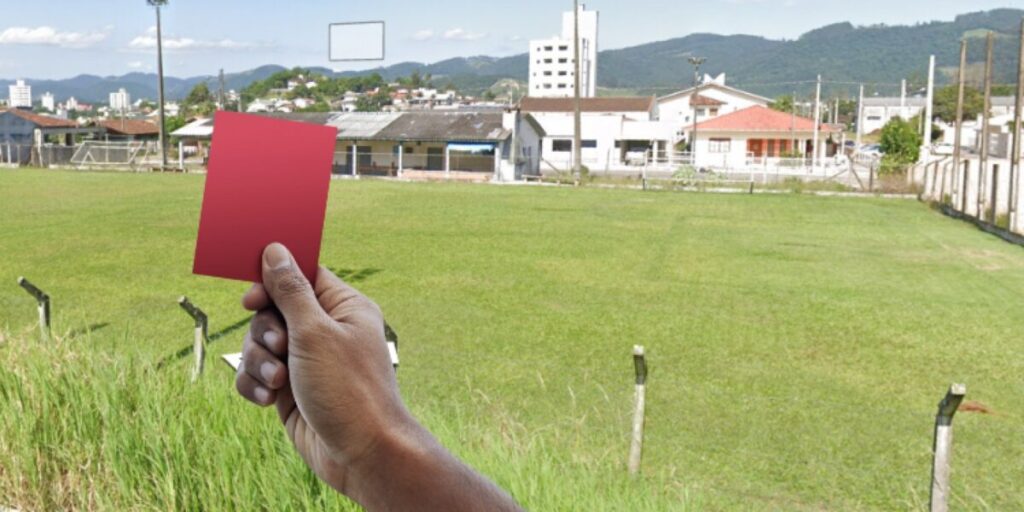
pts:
pixel 268 182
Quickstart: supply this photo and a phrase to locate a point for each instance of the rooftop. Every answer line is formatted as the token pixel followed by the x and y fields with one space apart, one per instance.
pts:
pixel 129 127
pixel 41 121
pixel 592 105
pixel 759 119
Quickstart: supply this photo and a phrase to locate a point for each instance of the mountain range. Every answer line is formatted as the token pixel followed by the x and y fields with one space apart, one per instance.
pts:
pixel 844 54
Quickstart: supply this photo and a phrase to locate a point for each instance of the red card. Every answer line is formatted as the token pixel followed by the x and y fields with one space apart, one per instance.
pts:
pixel 267 182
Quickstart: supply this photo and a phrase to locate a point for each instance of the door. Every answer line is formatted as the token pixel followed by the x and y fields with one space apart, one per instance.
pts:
pixel 435 159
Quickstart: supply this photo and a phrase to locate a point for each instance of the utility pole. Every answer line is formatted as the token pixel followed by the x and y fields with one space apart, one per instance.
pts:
pixel 835 113
pixel 160 77
pixel 220 92
pixel 927 142
pixel 1015 158
pixel 959 133
pixel 696 62
pixel 792 124
pixel 860 117
pixel 577 143
pixel 817 125
pixel 985 118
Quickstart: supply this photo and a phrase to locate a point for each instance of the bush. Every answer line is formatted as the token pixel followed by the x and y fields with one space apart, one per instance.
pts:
pixel 901 144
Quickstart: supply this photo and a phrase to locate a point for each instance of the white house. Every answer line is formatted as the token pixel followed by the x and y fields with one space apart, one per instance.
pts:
pixel 619 135
pixel 878 111
pixel 759 138
pixel 552 62
pixel 713 98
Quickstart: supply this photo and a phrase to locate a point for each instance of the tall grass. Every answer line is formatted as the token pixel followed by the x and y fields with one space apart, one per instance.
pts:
pixel 81 429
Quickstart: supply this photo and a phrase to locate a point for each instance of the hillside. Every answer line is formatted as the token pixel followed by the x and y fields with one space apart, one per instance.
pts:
pixel 840 52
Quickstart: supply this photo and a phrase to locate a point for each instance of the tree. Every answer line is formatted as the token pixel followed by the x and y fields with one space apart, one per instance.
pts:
pixel 783 104
pixel 901 143
pixel 946 99
pixel 489 95
pixel 199 101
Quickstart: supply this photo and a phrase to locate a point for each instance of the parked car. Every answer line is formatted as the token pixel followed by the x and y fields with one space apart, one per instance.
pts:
pixel 943 149
pixel 871 150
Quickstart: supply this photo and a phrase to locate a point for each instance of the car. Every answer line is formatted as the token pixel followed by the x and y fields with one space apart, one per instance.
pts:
pixel 943 149
pixel 871 150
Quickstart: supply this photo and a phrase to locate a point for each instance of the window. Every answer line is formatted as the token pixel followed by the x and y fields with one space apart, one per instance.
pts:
pixel 547 61
pixel 549 48
pixel 563 48
pixel 547 73
pixel 720 145
pixel 561 145
pixel 547 86
pixel 714 111
pixel 589 144
pixel 874 118
pixel 562 73
pixel 563 61
pixel 700 112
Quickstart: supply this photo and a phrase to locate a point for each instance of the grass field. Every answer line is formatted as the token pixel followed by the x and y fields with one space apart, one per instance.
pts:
pixel 798 346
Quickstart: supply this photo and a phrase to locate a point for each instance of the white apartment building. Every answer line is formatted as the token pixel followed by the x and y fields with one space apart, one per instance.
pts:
pixel 552 73
pixel 120 101
pixel 48 102
pixel 20 95
pixel 71 105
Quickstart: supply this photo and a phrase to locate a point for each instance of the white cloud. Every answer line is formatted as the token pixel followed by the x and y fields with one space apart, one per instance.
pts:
pixel 49 36
pixel 460 34
pixel 148 42
pixel 423 35
pixel 135 64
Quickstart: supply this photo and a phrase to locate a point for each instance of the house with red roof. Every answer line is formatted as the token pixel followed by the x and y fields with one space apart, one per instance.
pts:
pixel 760 137
pixel 23 133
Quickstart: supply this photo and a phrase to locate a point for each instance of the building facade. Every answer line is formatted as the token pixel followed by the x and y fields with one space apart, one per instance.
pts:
pixel 20 95
pixel 552 63
pixel 48 102
pixel 713 98
pixel 120 101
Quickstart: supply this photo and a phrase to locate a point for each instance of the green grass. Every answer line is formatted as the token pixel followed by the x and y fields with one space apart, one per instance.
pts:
pixel 798 346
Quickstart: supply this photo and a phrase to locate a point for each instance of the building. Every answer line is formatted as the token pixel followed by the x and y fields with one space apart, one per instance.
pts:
pixel 758 138
pixel 878 111
pixel 20 95
pixel 71 105
pixel 129 130
pixel 120 101
pixel 474 146
pixel 552 63
pixel 713 98
pixel 24 135
pixel 48 102
pixel 619 135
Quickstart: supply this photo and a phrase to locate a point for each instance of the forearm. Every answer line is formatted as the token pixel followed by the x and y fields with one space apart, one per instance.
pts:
pixel 410 470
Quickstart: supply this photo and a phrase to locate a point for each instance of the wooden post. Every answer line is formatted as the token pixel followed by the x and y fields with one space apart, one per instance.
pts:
pixel 994 201
pixel 964 186
pixel 199 343
pixel 43 303
pixel 986 116
pixel 958 137
pixel 943 448
pixel 636 445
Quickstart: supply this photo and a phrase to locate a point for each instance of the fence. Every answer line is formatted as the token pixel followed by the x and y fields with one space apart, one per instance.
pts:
pixel 394 165
pixel 988 195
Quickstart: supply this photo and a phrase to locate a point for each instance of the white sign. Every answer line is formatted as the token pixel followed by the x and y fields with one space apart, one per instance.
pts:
pixel 360 41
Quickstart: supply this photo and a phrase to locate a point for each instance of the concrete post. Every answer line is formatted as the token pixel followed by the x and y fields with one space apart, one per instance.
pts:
pixel 447 161
pixel 943 447
pixel 401 155
pixel 355 159
pixel 200 335
pixel 43 304
pixel 636 445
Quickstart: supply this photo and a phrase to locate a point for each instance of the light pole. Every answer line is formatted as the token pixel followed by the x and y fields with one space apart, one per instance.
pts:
pixel 696 62
pixel 160 77
pixel 577 142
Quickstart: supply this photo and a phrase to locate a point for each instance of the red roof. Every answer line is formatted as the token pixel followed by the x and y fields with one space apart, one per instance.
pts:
pixel 41 121
pixel 759 119
pixel 130 127
pixel 608 104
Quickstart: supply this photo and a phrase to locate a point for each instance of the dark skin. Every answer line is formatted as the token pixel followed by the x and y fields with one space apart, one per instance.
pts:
pixel 316 352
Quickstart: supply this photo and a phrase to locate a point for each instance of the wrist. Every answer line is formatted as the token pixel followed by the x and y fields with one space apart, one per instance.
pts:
pixel 399 448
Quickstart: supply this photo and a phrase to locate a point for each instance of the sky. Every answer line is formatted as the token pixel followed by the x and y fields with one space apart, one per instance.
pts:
pixel 63 38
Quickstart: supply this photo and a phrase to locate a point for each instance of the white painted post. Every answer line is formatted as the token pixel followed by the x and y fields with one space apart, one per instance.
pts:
pixel 391 337
pixel 43 304
pixel 928 116
pixel 200 332
pixel 181 155
pixel 401 158
pixel 355 160
pixel 943 447
pixel 636 445
pixel 447 161
pixel 817 126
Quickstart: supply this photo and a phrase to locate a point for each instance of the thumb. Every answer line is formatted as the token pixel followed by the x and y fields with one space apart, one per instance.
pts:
pixel 288 288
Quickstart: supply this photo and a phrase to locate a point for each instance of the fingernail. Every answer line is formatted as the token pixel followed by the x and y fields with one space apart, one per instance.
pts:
pixel 271 338
pixel 277 256
pixel 269 371
pixel 262 394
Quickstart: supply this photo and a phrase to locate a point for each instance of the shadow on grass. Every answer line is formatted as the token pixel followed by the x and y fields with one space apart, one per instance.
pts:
pixel 88 330
pixel 355 276
pixel 187 351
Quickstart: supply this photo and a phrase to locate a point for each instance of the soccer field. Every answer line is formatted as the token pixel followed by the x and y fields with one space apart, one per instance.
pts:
pixel 798 346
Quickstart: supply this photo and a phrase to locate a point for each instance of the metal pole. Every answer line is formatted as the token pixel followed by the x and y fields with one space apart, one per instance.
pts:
pixel 43 304
pixel 943 447
pixel 636 445
pixel 860 118
pixel 985 118
pixel 160 87
pixel 1015 157
pixel 696 62
pixel 958 137
pixel 928 118
pixel 817 125
pixel 200 335
pixel 577 143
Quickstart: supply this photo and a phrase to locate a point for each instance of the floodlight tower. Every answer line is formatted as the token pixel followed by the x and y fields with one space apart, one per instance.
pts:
pixel 157 4
pixel 696 62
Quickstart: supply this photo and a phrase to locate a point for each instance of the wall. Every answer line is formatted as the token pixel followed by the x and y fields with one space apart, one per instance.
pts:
pixel 677 108
pixel 931 176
